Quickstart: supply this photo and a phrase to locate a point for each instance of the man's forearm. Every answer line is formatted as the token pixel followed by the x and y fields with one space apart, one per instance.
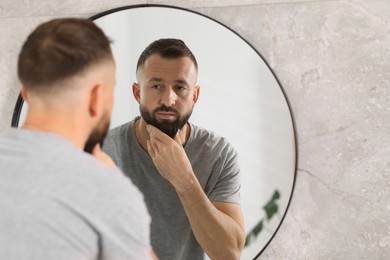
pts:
pixel 220 236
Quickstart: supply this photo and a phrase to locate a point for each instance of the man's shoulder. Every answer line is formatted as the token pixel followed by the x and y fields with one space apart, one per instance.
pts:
pixel 97 182
pixel 116 144
pixel 116 137
pixel 199 132
pixel 200 135
pixel 119 131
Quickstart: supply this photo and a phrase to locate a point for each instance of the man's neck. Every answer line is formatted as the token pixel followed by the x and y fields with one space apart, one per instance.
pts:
pixel 69 130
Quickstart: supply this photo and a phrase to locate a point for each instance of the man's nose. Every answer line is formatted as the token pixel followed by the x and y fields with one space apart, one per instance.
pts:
pixel 168 97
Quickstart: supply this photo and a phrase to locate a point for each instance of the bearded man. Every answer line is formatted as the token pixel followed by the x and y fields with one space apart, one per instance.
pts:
pixel 189 176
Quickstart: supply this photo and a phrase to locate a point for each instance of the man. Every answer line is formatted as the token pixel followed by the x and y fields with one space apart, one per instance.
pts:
pixel 58 202
pixel 189 176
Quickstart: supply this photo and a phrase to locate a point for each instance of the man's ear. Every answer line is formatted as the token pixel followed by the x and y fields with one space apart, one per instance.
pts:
pixel 137 92
pixel 196 94
pixel 95 100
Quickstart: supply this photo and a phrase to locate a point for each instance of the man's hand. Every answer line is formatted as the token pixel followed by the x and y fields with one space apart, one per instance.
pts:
pixel 169 157
pixel 102 157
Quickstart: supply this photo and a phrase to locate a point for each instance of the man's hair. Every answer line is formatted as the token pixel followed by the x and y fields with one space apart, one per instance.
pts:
pixel 60 49
pixel 167 48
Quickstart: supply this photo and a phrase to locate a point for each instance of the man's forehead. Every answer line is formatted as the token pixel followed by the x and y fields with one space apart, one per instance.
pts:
pixel 156 59
pixel 177 69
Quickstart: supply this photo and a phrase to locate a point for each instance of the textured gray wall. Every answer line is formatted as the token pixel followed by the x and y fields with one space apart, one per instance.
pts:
pixel 333 60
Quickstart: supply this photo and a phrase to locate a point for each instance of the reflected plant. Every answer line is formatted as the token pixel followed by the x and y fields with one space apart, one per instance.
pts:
pixel 270 208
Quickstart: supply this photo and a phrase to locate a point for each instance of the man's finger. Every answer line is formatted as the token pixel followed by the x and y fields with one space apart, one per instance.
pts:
pixel 177 138
pixel 102 156
pixel 150 148
pixel 96 150
pixel 157 134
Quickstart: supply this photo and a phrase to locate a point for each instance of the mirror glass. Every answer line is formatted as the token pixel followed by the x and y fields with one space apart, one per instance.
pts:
pixel 240 99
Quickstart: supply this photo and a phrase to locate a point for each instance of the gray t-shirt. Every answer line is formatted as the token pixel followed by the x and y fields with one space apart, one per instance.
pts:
pixel 58 202
pixel 214 162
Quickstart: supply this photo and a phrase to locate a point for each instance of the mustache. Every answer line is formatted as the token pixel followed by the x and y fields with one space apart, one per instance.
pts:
pixel 164 108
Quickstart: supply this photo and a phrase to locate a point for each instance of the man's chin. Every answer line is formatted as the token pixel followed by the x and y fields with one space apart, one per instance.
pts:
pixel 170 128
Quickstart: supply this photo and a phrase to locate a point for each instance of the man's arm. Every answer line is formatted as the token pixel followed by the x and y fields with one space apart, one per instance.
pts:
pixel 217 226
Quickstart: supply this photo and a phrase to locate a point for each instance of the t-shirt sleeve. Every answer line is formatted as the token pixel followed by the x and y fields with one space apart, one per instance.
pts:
pixel 227 171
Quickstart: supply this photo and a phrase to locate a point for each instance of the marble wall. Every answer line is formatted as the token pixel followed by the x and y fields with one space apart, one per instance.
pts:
pixel 333 61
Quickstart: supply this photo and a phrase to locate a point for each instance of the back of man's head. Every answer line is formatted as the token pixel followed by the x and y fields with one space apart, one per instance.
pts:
pixel 58 50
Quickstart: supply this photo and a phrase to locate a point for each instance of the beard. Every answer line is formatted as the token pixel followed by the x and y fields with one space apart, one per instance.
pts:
pixel 97 135
pixel 170 128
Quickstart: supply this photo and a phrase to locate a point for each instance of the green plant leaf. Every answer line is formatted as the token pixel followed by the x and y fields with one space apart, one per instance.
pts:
pixel 276 195
pixel 254 232
pixel 271 208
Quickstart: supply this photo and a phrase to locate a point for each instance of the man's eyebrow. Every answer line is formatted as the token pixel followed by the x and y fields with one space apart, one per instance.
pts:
pixel 181 81
pixel 178 81
pixel 156 79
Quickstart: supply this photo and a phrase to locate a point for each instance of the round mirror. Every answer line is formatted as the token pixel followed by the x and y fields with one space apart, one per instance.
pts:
pixel 240 99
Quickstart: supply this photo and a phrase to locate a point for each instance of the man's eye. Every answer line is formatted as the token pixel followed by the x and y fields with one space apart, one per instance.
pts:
pixel 180 88
pixel 156 86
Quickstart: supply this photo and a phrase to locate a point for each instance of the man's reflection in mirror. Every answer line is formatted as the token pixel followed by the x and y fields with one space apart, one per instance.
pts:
pixel 189 175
